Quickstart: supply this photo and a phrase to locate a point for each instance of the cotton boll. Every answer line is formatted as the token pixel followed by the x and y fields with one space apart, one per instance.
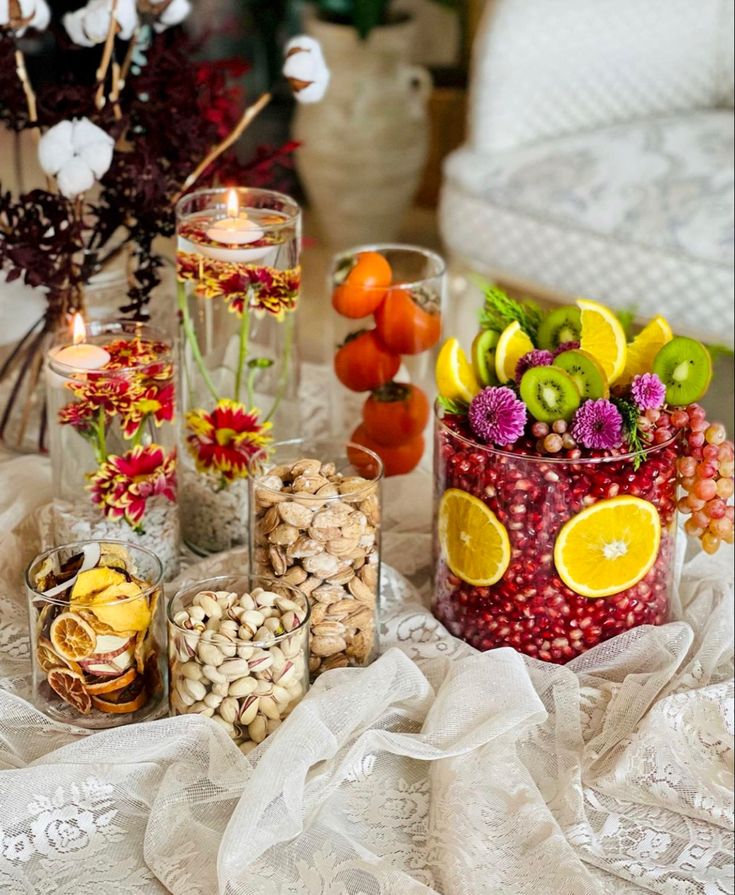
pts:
pixel 305 69
pixel 90 25
pixel 173 14
pixel 24 14
pixel 74 24
pixel 76 152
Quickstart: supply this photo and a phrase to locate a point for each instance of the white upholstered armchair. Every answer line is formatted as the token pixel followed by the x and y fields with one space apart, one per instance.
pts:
pixel 599 156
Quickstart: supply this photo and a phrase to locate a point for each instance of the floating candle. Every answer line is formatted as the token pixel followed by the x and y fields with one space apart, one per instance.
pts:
pixel 236 228
pixel 80 355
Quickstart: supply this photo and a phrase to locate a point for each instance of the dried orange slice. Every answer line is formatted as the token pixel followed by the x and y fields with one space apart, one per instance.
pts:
pixel 608 547
pixel 114 684
pixel 70 687
pixel 46 655
pixel 72 637
pixel 474 542
pixel 121 708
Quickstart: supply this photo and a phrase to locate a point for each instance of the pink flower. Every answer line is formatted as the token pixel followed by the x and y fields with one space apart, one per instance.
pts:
pixel 497 416
pixel 648 392
pixel 598 425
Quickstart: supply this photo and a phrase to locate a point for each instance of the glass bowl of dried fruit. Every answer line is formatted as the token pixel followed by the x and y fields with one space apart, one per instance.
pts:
pixel 563 452
pixel 97 633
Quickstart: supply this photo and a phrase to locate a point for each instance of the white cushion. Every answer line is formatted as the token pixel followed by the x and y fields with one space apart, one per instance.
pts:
pixel 553 67
pixel 639 215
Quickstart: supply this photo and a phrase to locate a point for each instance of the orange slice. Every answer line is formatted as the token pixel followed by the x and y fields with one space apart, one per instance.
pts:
pixel 116 683
pixel 603 337
pixel 455 378
pixel 512 345
pixel 644 348
pixel 121 708
pixel 72 637
pixel 70 687
pixel 473 541
pixel 608 547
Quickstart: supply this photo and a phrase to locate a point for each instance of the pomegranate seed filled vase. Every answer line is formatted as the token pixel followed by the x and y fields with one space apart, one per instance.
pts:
pixel 388 301
pixel 112 438
pixel 559 450
pixel 238 289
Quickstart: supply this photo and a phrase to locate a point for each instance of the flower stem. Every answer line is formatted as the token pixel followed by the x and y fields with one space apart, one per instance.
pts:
pixel 191 338
pixel 243 352
pixel 101 449
pixel 251 387
pixel 285 365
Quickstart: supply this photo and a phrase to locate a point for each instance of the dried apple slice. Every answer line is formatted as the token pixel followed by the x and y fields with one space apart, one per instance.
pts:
pixel 69 685
pixel 72 637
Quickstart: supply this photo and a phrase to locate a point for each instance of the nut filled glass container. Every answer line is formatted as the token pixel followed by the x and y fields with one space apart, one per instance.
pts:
pixel 315 524
pixel 239 281
pixel 238 654
pixel 112 437
pixel 521 507
pixel 97 633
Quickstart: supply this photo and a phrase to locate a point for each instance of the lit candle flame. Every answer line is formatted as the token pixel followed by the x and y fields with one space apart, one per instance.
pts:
pixel 79 330
pixel 233 205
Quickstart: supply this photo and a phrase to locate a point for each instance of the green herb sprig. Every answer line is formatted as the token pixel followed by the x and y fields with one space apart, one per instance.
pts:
pixel 631 415
pixel 450 406
pixel 500 310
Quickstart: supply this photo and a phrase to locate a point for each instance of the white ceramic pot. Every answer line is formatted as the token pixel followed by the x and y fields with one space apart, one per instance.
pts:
pixel 364 146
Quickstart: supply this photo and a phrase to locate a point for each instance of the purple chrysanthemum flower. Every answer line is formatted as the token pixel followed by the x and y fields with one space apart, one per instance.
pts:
pixel 497 416
pixel 566 346
pixel 536 358
pixel 598 425
pixel 648 392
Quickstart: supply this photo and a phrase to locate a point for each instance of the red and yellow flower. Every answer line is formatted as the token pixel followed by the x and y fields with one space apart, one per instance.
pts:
pixel 123 484
pixel 223 441
pixel 260 289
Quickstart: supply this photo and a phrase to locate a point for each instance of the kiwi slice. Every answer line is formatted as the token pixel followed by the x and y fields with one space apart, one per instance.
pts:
pixel 586 371
pixel 483 356
pixel 685 368
pixel 550 394
pixel 561 325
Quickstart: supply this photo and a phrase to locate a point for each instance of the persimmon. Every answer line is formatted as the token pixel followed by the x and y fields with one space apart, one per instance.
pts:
pixel 397 459
pixel 407 322
pixel 363 289
pixel 363 363
pixel 395 413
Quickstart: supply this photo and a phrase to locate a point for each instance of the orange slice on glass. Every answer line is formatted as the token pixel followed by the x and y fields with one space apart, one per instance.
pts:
pixel 114 684
pixel 512 345
pixel 603 337
pixel 644 348
pixel 69 685
pixel 608 547
pixel 455 378
pixel 72 637
pixel 121 708
pixel 473 541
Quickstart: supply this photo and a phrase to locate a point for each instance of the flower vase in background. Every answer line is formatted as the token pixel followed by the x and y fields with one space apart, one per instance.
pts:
pixel 238 290
pixel 112 439
pixel 364 145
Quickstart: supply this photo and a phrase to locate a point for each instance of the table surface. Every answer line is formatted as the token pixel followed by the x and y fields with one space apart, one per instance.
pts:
pixel 438 769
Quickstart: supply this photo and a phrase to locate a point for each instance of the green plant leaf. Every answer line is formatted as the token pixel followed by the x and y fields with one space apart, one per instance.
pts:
pixel 451 406
pixel 500 310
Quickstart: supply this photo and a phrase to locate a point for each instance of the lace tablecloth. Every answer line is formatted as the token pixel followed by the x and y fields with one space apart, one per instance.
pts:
pixel 436 770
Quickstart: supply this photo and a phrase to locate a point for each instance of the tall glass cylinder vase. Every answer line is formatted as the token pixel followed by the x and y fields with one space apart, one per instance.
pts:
pixel 388 301
pixel 238 290
pixel 112 438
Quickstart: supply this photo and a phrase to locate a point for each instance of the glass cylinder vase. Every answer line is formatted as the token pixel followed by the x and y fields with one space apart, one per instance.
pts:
pixel 315 525
pixel 97 633
pixel 238 289
pixel 112 438
pixel 388 301
pixel 238 653
pixel 515 508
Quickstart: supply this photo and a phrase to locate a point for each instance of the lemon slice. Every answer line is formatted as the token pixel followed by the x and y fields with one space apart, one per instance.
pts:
pixel 646 345
pixel 603 337
pixel 512 345
pixel 473 541
pixel 608 547
pixel 455 378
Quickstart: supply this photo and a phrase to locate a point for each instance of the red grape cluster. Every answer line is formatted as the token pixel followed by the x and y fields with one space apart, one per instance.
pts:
pixel 706 474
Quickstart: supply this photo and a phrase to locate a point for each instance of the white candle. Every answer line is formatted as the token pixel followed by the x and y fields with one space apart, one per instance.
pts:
pixel 233 231
pixel 80 355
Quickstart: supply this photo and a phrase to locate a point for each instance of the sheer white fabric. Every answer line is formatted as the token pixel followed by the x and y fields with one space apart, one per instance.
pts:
pixel 436 770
